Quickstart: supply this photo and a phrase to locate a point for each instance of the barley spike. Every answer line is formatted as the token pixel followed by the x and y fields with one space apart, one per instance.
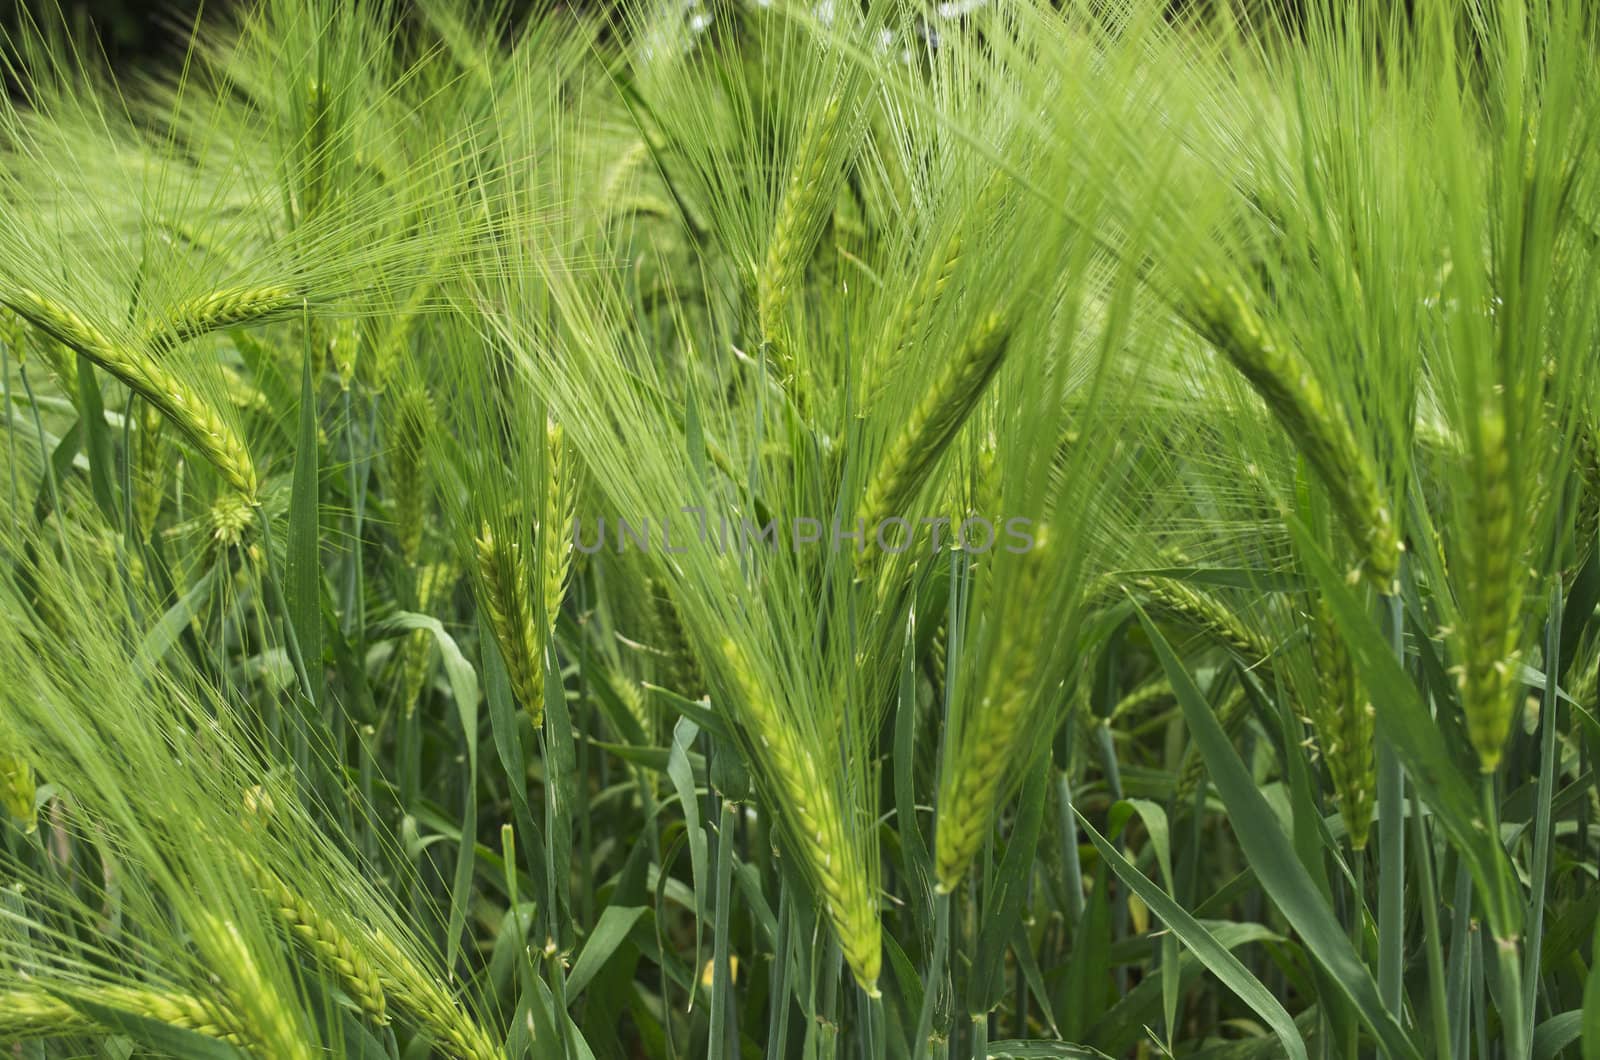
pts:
pixel 1295 397
pixel 806 792
pixel 146 376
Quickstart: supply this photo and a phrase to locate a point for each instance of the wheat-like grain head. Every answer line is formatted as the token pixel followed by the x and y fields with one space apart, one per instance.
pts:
pixel 144 374
pixel 1292 393
pixel 505 586
pixel 810 802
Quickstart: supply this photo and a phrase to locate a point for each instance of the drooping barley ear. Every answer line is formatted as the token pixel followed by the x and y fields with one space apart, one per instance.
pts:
pixel 344 347
pixel 1491 593
pixel 412 421
pixel 1152 691
pixel 142 373
pixel 1342 723
pixel 219 311
pixel 270 1026
pixel 189 1012
pixel 154 469
pixel 633 700
pixel 505 586
pixel 18 791
pixel 802 212
pixel 680 670
pixel 1182 601
pixel 934 422
pixel 973 779
pixel 434 583
pixel 28 1014
pixel 1282 379
pixel 1231 715
pixel 429 1002
pixel 808 796
pixel 325 941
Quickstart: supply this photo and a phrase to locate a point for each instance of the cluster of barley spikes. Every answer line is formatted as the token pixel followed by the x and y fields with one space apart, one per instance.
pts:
pixel 772 529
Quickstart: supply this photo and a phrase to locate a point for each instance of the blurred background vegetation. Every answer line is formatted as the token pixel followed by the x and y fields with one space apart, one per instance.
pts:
pixel 130 31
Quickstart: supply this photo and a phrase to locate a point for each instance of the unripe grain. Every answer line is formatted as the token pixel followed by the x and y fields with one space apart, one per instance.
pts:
pixel 1491 595
pixel 1297 400
pixel 934 422
pixel 504 585
pixel 801 214
pixel 1343 724
pixel 810 800
pixel 141 372
pixel 324 940
pixel 973 780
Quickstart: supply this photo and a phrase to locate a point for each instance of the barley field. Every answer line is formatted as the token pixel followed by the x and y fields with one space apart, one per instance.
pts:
pixel 787 529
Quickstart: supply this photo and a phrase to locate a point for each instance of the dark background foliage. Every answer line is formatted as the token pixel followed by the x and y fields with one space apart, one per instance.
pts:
pixel 130 31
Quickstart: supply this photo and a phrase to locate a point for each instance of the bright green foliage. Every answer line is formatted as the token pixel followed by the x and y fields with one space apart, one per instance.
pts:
pixel 803 530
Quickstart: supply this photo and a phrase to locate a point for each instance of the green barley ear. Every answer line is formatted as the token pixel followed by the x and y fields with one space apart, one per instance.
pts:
pixel 189 1012
pixel 412 419
pixel 415 991
pixel 330 945
pixel 680 671
pixel 985 745
pixel 1297 400
pixel 929 288
pixel 505 585
pixel 811 800
pixel 144 374
pixel 434 584
pixel 344 348
pixel 18 791
pixel 802 213
pixel 1231 715
pixel 221 310
pixel 1343 723
pixel 154 469
pixel 269 1021
pixel 29 1014
pixel 1490 571
pixel 555 532
pixel 934 422
pixel 1194 607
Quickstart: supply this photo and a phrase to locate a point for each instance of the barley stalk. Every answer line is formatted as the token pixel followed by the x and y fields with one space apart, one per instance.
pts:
pixel 1491 596
pixel 933 423
pixel 504 586
pixel 323 938
pixel 808 796
pixel 1295 397
pixel 147 377
pixel 974 777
